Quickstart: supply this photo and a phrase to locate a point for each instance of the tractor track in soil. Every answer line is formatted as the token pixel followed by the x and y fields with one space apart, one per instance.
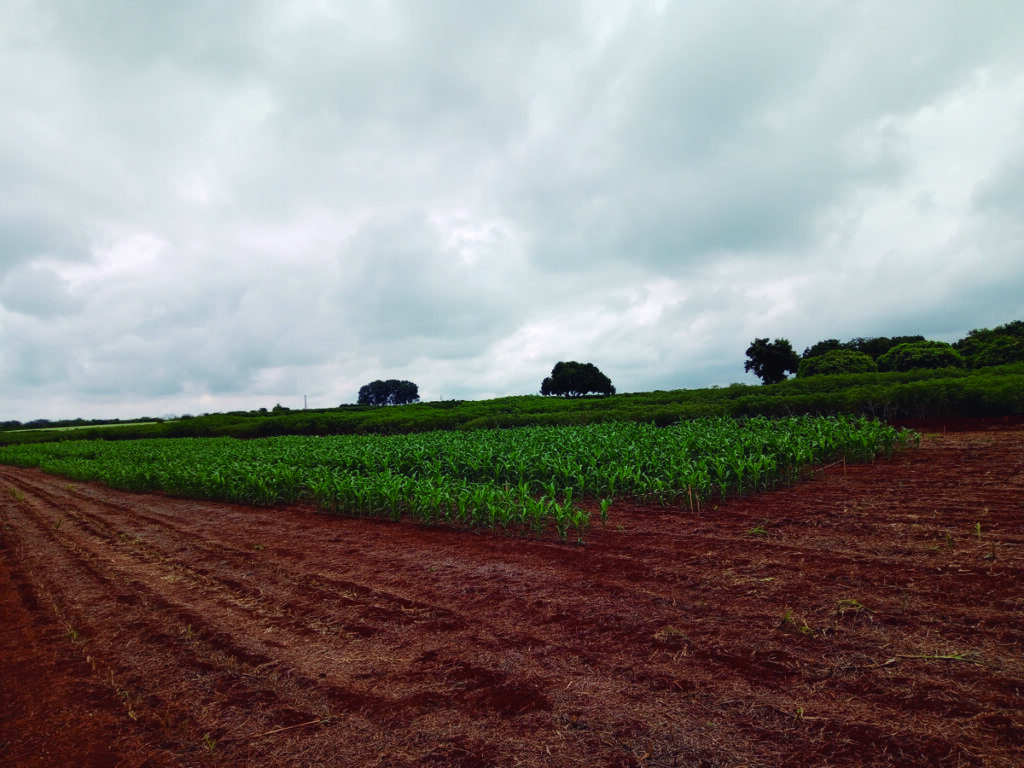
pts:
pixel 871 616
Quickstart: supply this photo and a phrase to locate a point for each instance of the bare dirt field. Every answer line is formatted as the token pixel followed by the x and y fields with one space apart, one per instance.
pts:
pixel 872 616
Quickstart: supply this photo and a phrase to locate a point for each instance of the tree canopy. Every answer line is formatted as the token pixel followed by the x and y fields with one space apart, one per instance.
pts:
pixel 771 361
pixel 390 392
pixel 920 354
pixel 572 379
pixel 836 361
pixel 981 348
pixel 821 347
pixel 873 346
pixel 996 346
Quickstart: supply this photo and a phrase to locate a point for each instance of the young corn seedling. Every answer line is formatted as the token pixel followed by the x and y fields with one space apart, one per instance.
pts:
pixel 789 621
pixel 850 606
pixel 580 521
pixel 563 517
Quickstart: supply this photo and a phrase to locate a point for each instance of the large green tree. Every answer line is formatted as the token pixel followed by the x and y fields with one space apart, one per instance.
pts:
pixel 390 392
pixel 572 379
pixel 771 360
pixel 996 346
pixel 828 345
pixel 874 346
pixel 836 361
pixel 920 354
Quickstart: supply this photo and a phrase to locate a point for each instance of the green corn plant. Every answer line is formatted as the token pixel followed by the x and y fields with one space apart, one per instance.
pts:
pixel 524 479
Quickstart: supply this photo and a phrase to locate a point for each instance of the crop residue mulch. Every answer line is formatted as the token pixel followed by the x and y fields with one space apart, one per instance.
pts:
pixel 872 616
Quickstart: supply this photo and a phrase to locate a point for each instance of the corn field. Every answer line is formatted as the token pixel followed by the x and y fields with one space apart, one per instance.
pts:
pixel 527 480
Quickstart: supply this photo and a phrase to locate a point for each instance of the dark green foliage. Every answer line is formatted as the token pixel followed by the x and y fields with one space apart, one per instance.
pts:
pixel 771 361
pixel 1000 351
pixel 828 345
pixel 874 346
pixel 572 379
pixel 878 345
pixel 997 346
pixel 836 361
pixel 916 394
pixel 390 392
pixel 920 354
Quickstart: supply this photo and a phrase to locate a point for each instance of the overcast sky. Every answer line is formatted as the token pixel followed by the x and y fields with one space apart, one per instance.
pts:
pixel 209 206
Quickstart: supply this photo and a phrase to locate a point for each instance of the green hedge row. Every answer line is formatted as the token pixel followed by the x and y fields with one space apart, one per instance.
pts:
pixel 946 393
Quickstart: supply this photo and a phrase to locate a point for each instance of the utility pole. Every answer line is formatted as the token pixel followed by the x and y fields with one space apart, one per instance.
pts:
pixel 303 402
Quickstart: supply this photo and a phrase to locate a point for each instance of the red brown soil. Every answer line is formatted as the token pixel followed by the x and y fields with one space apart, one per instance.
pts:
pixel 872 616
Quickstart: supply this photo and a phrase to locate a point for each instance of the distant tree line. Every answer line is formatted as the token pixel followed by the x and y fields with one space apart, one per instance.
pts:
pixel 69 423
pixel 771 361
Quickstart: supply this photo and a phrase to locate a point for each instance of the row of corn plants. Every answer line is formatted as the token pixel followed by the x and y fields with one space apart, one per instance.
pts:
pixel 528 480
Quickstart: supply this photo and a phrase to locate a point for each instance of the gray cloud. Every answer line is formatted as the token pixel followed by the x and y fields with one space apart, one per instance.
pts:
pixel 403 287
pixel 35 289
pixel 206 206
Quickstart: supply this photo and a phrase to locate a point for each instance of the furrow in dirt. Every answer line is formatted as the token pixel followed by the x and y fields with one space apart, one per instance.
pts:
pixel 192 634
pixel 194 641
pixel 244 575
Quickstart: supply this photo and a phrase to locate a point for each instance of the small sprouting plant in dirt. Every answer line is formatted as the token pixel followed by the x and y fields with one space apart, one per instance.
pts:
pixel 73 635
pixel 846 606
pixel 259 547
pixel 605 504
pixel 791 622
pixel 127 702
pixel 949 542
pixel 58 524
pixel 210 743
pixel 16 494
pixel 758 530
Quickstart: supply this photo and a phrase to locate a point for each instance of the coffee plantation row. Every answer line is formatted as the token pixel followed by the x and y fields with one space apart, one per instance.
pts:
pixel 526 480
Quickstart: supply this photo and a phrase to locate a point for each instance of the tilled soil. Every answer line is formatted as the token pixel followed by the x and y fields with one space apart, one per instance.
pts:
pixel 871 616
